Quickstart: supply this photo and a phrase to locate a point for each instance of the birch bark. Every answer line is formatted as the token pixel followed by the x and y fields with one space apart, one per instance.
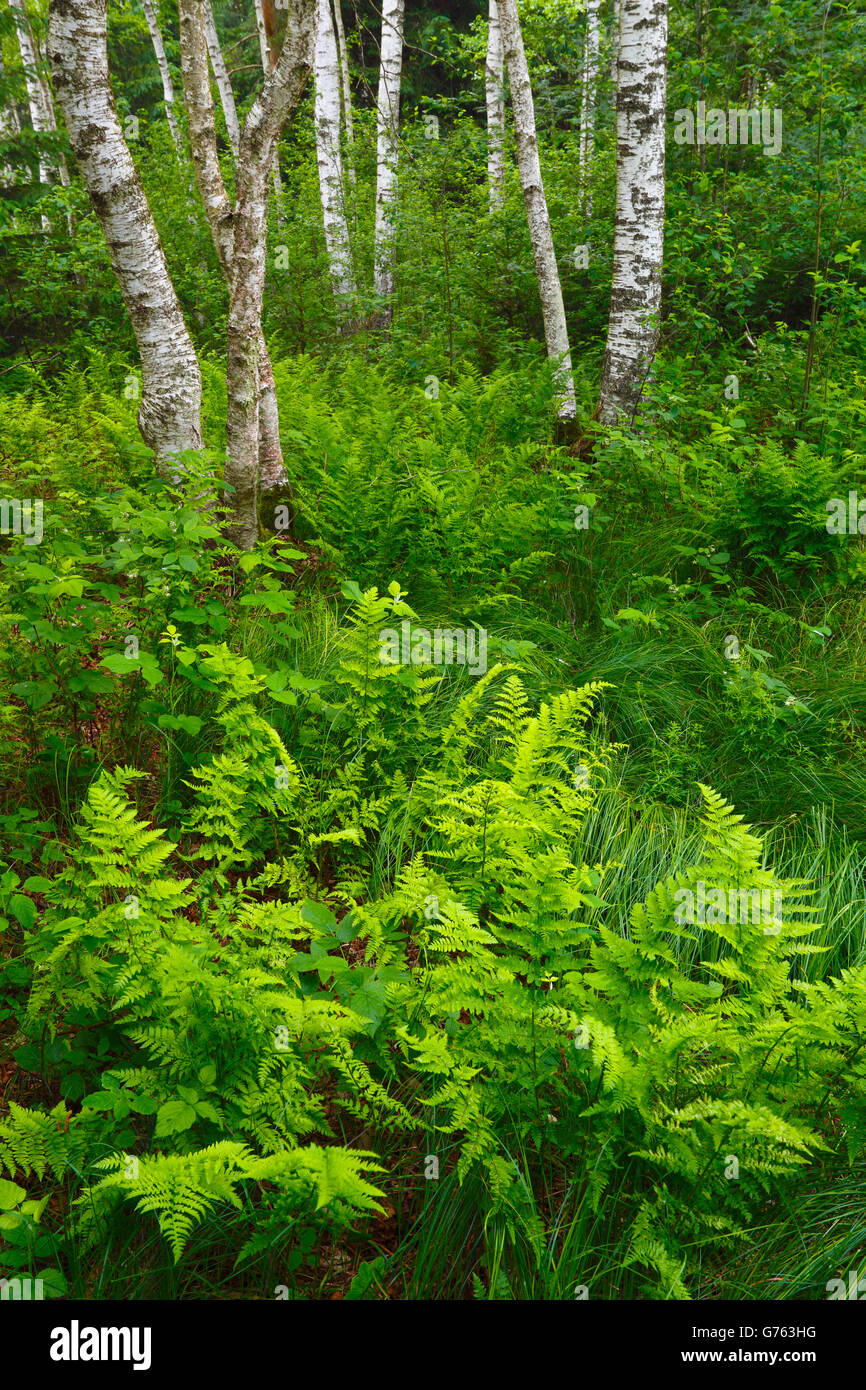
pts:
pixel 267 116
pixel 169 415
pixel 164 71
pixel 221 77
pixel 614 47
pixel 387 154
pixel 220 215
pixel 348 118
pixel 267 65
pixel 10 126
pixel 540 235
pixel 635 300
pixel 328 157
pixel 494 81
pixel 587 110
pixel 39 99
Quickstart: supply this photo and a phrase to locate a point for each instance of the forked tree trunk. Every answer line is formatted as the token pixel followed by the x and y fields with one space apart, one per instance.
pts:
pixel 267 116
pixel 329 159
pixel 348 118
pixel 164 71
pixel 494 81
pixel 587 110
pixel 635 300
pixel 220 216
pixel 387 154
pixel 221 77
pixel 540 234
pixel 169 415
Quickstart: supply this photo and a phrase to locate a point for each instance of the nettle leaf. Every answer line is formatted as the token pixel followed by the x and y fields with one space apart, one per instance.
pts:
pixel 173 1117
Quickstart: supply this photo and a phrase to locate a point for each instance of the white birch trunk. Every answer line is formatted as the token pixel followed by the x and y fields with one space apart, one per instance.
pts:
pixel 494 81
pixel 10 126
pixel 540 234
pixel 164 71
pixel 348 118
pixel 267 65
pixel 635 299
pixel 328 157
pixel 267 116
pixel 587 109
pixel 614 47
pixel 221 77
pixel 169 415
pixel 220 215
pixel 387 153
pixel 39 99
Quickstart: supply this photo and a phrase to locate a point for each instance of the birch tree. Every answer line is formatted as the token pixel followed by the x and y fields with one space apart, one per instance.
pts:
pixel 540 234
pixel 614 46
pixel 169 414
pixel 328 157
pixel 266 118
pixel 10 127
pixel 347 92
pixel 221 76
pixel 164 71
pixel 387 153
pixel 633 328
pixel 39 100
pixel 494 82
pixel 587 109
pixel 268 61
pixel 220 216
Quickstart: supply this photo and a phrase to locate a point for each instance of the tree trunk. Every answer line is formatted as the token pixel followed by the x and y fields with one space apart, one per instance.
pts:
pixel 267 116
pixel 587 110
pixel 164 71
pixel 10 126
pixel 348 119
pixel 387 154
pixel 221 77
pixel 635 300
pixel 220 215
pixel 331 184
pixel 494 74
pixel 39 99
pixel 268 61
pixel 541 237
pixel 169 416
pixel 614 47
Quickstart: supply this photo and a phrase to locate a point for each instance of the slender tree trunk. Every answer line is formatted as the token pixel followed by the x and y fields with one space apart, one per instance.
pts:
pixel 220 215
pixel 387 152
pixel 587 110
pixel 169 415
pixel 164 71
pixel 10 126
pixel 540 234
pixel 635 300
pixel 614 47
pixel 221 77
pixel 268 59
pixel 346 88
pixel 494 75
pixel 331 184
pixel 267 116
pixel 39 100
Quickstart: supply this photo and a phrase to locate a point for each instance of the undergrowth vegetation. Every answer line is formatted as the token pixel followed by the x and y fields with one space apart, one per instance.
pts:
pixel 330 969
